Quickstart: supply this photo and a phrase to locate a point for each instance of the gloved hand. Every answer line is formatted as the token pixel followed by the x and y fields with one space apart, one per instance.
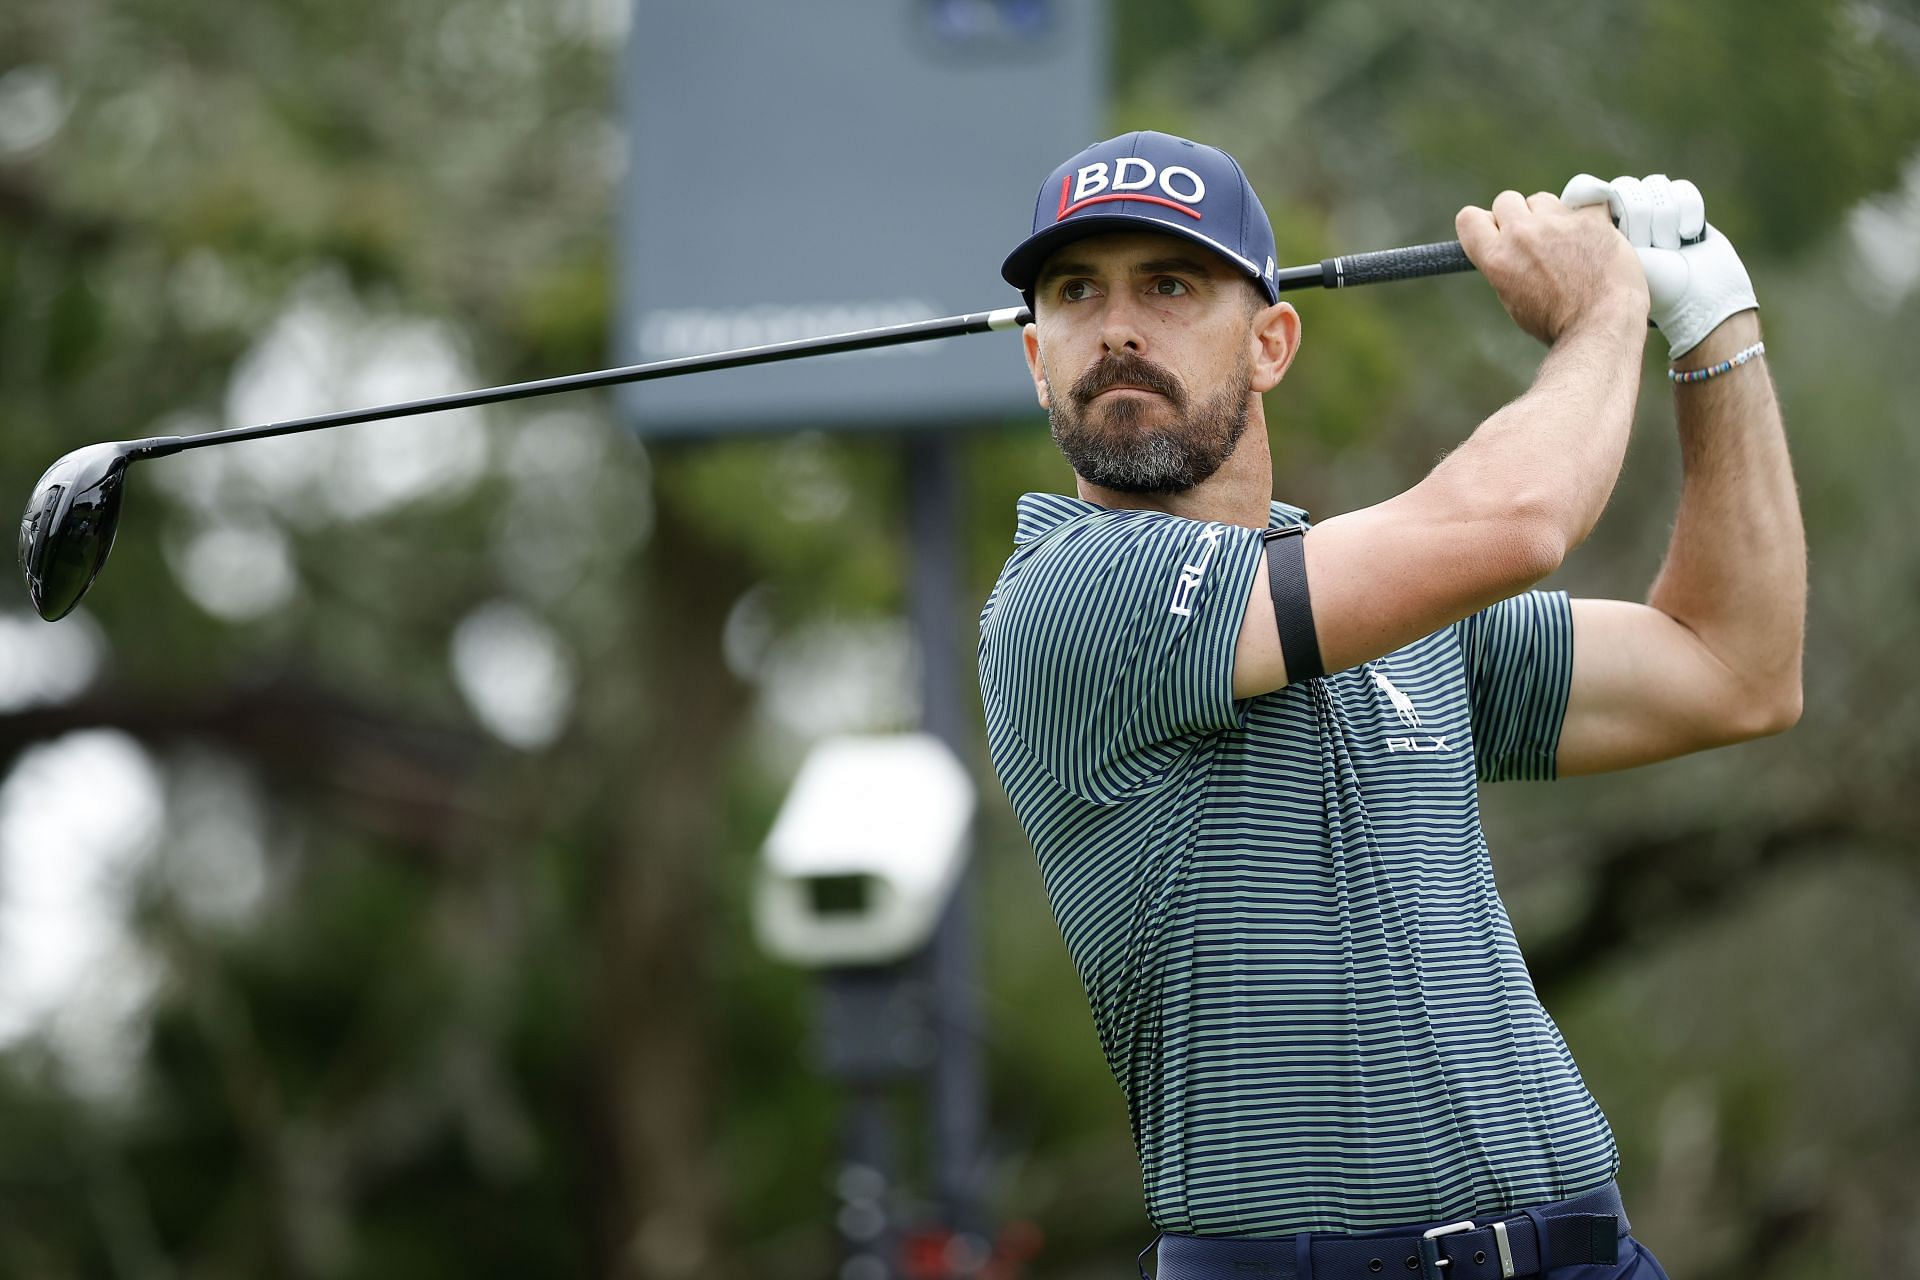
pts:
pixel 1694 278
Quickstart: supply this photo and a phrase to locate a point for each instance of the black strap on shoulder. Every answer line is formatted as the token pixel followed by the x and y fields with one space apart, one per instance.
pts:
pixel 1292 606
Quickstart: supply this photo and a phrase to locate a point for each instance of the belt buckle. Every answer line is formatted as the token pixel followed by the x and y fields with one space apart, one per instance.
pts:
pixel 1431 1259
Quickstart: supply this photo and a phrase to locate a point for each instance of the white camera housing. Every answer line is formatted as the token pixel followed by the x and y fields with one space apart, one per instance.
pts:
pixel 868 846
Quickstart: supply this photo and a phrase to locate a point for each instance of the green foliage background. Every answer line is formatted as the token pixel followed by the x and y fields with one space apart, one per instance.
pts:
pixel 499 1011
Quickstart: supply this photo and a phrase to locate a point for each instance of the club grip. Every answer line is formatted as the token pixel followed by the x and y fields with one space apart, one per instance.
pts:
pixel 1440 259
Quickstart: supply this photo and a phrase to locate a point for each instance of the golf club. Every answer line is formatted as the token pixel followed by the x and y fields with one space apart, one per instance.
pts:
pixel 67 528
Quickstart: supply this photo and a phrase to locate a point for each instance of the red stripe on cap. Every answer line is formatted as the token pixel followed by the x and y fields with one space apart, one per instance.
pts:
pixel 1066 209
pixel 1064 182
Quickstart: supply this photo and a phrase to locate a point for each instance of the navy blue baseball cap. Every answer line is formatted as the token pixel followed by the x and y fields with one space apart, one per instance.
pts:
pixel 1149 181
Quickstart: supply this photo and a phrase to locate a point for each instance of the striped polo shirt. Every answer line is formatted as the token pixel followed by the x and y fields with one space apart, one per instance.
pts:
pixel 1282 908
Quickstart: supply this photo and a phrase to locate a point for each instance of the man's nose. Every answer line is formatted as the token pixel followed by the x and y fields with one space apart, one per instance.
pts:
pixel 1120 328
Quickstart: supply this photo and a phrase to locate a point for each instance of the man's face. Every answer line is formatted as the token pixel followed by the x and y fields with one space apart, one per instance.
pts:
pixel 1142 352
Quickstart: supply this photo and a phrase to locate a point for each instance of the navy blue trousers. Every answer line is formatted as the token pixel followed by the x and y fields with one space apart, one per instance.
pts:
pixel 1636 1263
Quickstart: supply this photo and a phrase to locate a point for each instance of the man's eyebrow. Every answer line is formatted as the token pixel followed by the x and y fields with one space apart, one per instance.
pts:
pixel 1054 270
pixel 1157 266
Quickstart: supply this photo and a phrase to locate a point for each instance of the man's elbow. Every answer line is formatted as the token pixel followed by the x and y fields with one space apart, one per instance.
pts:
pixel 1535 547
pixel 1785 709
pixel 1512 539
pixel 1765 712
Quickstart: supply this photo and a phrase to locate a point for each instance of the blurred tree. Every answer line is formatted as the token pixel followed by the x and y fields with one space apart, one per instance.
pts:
pixel 495 1006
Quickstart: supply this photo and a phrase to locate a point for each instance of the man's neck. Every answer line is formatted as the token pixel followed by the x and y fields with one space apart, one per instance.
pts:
pixel 1238 493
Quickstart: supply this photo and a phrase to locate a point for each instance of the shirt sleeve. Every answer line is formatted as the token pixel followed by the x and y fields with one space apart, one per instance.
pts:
pixel 1109 654
pixel 1519 661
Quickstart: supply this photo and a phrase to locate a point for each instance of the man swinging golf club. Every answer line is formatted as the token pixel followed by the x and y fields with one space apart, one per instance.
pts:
pixel 1246 752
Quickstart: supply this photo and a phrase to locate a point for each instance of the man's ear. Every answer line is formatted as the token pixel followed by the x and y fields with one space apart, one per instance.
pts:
pixel 1030 343
pixel 1275 337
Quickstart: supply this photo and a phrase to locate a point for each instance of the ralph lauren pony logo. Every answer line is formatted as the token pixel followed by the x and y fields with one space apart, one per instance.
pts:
pixel 1409 716
pixel 1402 704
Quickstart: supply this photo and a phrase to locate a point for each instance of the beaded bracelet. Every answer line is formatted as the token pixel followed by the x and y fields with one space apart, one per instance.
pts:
pixel 1725 366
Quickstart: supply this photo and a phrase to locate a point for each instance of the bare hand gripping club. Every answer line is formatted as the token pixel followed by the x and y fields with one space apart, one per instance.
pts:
pixel 67 528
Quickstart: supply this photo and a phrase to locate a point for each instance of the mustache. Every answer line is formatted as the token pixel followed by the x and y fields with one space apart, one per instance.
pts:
pixel 1127 371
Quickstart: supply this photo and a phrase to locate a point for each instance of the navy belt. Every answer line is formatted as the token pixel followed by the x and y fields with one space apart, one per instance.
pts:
pixel 1501 1246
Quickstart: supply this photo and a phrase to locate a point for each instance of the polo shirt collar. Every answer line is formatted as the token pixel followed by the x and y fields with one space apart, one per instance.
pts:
pixel 1039 514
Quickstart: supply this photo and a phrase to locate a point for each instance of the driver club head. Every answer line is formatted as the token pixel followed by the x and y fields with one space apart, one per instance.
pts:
pixel 67 528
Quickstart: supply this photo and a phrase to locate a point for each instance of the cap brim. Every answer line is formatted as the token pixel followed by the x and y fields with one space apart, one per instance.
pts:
pixel 1022 266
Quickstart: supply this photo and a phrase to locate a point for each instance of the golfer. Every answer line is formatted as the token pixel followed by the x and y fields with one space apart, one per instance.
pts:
pixel 1245 749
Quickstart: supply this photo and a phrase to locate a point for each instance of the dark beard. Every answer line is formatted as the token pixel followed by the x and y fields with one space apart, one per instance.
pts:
pixel 1121 454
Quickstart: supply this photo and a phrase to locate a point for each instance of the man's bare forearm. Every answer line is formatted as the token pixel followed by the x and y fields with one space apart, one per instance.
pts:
pixel 1554 454
pixel 1736 567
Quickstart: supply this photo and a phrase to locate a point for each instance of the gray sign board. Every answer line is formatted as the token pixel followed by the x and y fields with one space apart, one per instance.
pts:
pixel 798 169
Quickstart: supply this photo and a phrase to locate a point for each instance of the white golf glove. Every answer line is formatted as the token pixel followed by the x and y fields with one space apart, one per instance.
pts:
pixel 1694 277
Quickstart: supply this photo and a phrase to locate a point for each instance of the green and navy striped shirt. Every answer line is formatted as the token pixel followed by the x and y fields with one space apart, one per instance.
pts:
pixel 1282 908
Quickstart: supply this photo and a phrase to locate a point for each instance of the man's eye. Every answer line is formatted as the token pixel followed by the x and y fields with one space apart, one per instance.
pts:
pixel 1168 287
pixel 1076 290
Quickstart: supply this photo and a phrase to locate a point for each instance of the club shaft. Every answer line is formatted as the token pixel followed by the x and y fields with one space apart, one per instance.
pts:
pixel 1333 273
pixel 832 344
